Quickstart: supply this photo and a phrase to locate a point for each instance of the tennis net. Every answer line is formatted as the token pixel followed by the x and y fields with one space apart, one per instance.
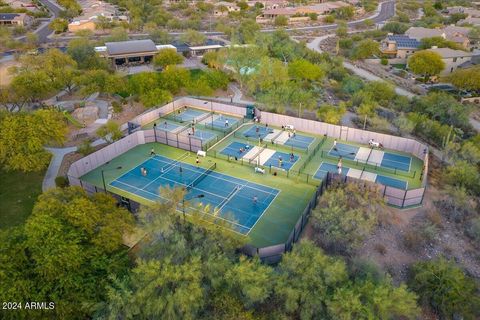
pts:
pixel 257 154
pixel 202 117
pixel 181 129
pixel 202 176
pixel 173 164
pixel 228 198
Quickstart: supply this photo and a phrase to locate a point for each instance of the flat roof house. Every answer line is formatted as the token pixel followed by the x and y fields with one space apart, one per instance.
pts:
pixel 15 19
pixel 300 13
pixel 131 52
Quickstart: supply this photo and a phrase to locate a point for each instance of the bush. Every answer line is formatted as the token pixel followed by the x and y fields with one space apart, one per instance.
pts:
pixel 473 229
pixel 61 182
pixel 117 107
pixel 329 19
pixel 384 61
pixel 446 288
pixel 85 148
pixel 281 21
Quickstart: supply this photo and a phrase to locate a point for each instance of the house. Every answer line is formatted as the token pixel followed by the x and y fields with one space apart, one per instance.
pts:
pixel 223 8
pixel 130 52
pixel 189 50
pixel 15 19
pixel 399 46
pixel 453 59
pixel 269 4
pixel 296 14
pixel 92 10
pixel 469 21
pixel 21 4
pixel 459 35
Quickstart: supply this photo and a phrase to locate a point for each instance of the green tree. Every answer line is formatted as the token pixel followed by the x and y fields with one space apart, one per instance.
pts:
pixel 23 137
pixel 395 27
pixel 330 113
pixel 305 270
pixel 31 86
pixel 93 81
pixel 65 253
pixel 380 91
pixel 345 13
pixel 304 70
pixel 426 63
pixel 446 288
pixel 346 215
pixel 281 21
pixel 59 25
pixel 155 97
pixel 440 42
pixel 466 79
pixel 365 49
pixel 174 78
pixel 193 37
pixel 83 52
pixel 110 131
pixel 463 174
pixel 167 57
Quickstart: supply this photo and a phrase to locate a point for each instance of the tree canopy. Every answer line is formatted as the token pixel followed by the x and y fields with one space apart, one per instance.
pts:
pixel 426 63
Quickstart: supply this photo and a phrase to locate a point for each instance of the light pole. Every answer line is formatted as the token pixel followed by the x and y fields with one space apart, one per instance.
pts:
pixel 103 175
pixel 183 203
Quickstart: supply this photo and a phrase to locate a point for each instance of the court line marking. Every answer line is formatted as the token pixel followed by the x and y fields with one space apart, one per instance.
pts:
pixel 226 175
pixel 274 198
pixel 158 196
pixel 247 185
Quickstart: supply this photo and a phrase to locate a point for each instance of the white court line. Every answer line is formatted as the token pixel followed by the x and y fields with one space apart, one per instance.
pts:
pixel 266 209
pixel 158 195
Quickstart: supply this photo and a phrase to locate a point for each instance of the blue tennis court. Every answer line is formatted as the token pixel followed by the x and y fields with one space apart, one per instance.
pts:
pixel 258 132
pixel 233 149
pixel 344 151
pixel 391 182
pixel 396 161
pixel 287 163
pixel 219 122
pixel 230 199
pixel 300 141
pixel 328 167
pixel 205 136
pixel 189 114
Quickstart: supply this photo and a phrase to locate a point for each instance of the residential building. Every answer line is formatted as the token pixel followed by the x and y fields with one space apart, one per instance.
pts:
pixel 469 21
pixel 21 4
pixel 459 35
pixel 223 8
pixel 399 46
pixel 296 14
pixel 453 59
pixel 91 11
pixel 189 50
pixel 269 4
pixel 15 19
pixel 130 52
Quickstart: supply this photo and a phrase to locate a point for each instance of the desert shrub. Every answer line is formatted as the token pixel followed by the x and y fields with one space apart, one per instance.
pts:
pixel 472 229
pixel 61 182
pixel 85 148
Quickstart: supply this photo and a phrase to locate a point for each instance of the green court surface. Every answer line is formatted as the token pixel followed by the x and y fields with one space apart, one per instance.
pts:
pixel 275 224
pixel 293 162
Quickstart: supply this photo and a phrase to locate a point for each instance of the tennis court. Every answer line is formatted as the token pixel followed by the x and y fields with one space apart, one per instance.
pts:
pixel 188 114
pixel 396 161
pixel 220 122
pixel 257 131
pixel 205 136
pixel 344 151
pixel 360 174
pixel 162 124
pixel 233 149
pixel 300 141
pixel 230 199
pixel 281 160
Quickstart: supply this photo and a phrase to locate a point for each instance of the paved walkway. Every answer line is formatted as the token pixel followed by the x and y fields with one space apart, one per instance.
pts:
pixel 52 171
pixel 315 45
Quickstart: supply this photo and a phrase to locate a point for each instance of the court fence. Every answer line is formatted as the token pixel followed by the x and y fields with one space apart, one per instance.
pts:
pixel 273 254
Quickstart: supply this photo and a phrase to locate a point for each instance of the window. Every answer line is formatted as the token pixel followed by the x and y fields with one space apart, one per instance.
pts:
pixel 454 59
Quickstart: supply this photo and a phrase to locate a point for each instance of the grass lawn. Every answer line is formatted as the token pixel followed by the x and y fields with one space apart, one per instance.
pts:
pixel 18 193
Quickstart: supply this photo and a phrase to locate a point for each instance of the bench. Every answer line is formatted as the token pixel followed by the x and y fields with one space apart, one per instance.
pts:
pixel 259 170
